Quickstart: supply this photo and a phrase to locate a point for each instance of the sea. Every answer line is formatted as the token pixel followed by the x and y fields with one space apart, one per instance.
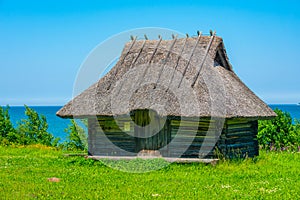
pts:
pixel 57 125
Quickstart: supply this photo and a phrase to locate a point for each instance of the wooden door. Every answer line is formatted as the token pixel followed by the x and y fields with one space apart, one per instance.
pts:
pixel 151 130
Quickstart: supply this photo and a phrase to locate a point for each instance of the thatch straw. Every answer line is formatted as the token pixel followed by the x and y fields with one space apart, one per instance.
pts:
pixel 217 90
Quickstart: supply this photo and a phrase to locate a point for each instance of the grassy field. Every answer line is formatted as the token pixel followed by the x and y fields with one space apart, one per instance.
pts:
pixel 24 174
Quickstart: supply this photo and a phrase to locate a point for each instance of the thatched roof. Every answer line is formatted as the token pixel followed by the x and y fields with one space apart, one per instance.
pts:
pixel 180 77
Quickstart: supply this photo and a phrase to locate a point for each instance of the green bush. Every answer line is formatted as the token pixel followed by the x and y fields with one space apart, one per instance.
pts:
pixel 7 131
pixel 33 130
pixel 279 133
pixel 76 138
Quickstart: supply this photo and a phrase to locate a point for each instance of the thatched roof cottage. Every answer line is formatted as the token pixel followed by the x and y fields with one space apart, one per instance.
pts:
pixel 178 97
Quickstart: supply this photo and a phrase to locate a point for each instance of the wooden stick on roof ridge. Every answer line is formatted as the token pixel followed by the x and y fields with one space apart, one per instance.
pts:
pixel 189 61
pixel 204 58
pixel 165 61
pixel 116 72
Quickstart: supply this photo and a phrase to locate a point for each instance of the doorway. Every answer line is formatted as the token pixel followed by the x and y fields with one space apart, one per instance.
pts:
pixel 152 132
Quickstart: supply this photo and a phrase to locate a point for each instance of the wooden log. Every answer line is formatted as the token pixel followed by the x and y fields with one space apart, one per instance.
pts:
pixel 239 140
pixel 237 121
pixel 239 130
pixel 240 134
pixel 241 145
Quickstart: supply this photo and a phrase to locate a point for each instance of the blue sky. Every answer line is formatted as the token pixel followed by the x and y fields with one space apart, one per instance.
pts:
pixel 43 43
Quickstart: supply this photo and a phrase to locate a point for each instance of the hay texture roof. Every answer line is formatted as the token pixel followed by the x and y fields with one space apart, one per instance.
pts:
pixel 187 77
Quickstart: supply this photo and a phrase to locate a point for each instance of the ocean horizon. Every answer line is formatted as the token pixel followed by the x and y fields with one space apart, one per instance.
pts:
pixel 57 125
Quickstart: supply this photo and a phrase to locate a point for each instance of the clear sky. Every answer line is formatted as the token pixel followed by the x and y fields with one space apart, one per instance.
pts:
pixel 43 43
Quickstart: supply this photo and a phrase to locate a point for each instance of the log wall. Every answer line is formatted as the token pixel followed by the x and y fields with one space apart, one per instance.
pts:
pixel 109 137
pixel 198 138
pixel 187 137
pixel 239 138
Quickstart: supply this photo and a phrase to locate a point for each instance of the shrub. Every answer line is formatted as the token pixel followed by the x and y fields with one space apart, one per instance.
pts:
pixel 7 131
pixel 279 133
pixel 76 138
pixel 33 130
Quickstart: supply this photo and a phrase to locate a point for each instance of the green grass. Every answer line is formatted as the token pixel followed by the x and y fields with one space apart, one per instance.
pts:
pixel 24 174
